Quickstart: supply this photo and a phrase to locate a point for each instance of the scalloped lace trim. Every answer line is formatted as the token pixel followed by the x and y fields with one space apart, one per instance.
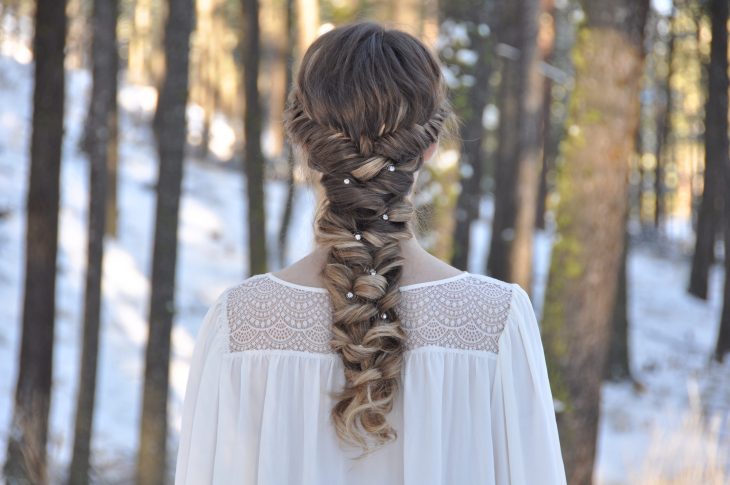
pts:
pixel 466 312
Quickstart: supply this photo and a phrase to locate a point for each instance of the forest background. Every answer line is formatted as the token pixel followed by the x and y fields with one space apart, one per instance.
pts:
pixel 143 169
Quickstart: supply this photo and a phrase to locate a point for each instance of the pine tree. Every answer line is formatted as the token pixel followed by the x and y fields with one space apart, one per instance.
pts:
pixel 520 145
pixel 254 162
pixel 717 135
pixel 476 16
pixel 26 454
pixel 593 188
pixel 103 95
pixel 716 153
pixel 170 134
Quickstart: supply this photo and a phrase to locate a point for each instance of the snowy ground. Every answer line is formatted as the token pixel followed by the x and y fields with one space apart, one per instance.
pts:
pixel 672 333
pixel 210 259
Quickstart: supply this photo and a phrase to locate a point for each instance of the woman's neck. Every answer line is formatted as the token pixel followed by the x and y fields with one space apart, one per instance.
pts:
pixel 419 266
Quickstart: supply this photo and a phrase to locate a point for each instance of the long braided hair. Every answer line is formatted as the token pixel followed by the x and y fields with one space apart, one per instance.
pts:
pixel 366 103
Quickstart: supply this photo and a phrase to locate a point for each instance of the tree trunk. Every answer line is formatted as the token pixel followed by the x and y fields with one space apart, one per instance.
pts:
pixel 557 57
pixel 510 256
pixel 664 129
pixel 78 13
pixel 473 14
pixel 140 41
pixel 277 55
pixel 203 82
pixel 112 206
pixel 407 15
pixel 308 20
pixel 722 348
pixel 718 138
pixel 530 147
pixel 716 152
pixel 618 367
pixel 646 112
pixel 505 210
pixel 170 131
pixel 26 453
pixel 103 72
pixel 547 156
pixel 254 163
pixel 593 187
pixel 288 207
pixel 290 162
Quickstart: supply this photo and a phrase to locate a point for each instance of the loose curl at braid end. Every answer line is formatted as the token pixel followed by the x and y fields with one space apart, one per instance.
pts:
pixel 366 104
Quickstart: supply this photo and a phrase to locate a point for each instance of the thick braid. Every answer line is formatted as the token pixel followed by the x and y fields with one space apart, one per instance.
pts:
pixel 364 215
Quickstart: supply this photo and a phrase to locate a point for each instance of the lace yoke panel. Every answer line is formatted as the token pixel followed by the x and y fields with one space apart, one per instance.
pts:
pixel 465 313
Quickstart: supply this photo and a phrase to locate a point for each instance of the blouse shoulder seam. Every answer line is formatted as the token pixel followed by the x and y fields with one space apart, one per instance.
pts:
pixel 491 279
pixel 514 288
pixel 222 322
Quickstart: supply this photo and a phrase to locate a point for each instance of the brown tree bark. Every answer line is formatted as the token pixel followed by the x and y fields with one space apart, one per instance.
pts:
pixel 617 364
pixel 290 162
pixel 170 134
pixel 593 188
pixel 203 82
pixel 140 42
pixel 664 129
pixel 716 153
pixel 103 95
pixel 520 147
pixel 475 14
pixel 407 15
pixel 308 19
pixel 254 162
pixel 505 170
pixel 722 347
pixel 546 45
pixel 530 147
pixel 112 206
pixel 276 51
pixel 26 453
pixel 717 134
pixel 547 156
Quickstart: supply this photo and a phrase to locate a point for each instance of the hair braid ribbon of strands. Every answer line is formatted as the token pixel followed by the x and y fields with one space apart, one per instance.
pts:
pixel 362 218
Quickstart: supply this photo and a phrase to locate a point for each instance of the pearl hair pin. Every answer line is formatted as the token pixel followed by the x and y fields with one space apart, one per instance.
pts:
pixel 384 316
pixel 358 236
pixel 391 168
pixel 385 217
pixel 347 181
pixel 350 295
pixel 373 272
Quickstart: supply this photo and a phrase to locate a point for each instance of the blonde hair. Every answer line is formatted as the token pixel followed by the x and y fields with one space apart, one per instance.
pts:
pixel 366 103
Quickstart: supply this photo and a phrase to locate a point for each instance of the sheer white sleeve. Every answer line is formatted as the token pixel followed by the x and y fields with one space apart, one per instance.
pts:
pixel 196 452
pixel 525 413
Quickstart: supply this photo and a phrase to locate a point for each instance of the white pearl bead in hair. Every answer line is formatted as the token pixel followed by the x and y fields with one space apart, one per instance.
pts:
pixel 373 272
pixel 391 168
pixel 350 295
pixel 358 236
pixel 347 181
pixel 385 217
pixel 384 316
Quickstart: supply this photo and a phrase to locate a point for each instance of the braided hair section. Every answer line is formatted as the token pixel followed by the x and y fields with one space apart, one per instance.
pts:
pixel 366 105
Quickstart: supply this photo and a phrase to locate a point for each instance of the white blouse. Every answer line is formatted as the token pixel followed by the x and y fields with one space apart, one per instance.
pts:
pixel 474 405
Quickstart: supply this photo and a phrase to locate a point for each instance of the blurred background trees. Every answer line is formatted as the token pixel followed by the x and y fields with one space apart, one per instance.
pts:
pixel 591 217
pixel 101 149
pixel 170 130
pixel 587 129
pixel 28 436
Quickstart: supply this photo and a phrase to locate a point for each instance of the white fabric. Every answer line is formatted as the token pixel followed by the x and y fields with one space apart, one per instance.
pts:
pixel 474 408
